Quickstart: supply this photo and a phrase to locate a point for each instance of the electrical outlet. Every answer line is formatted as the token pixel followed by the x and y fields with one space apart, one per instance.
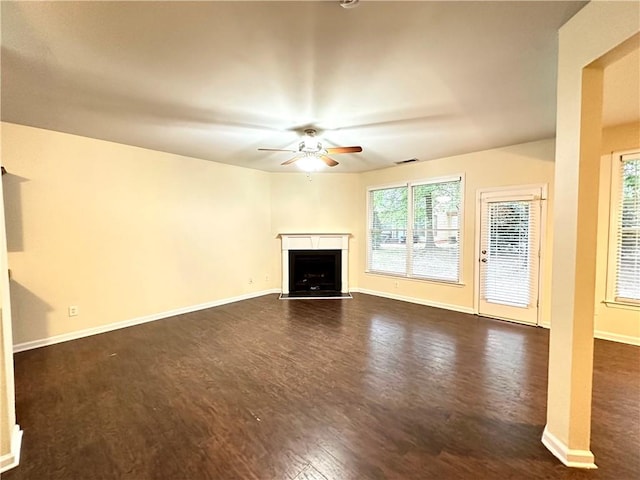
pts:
pixel 396 284
pixel 266 278
pixel 250 281
pixel 73 310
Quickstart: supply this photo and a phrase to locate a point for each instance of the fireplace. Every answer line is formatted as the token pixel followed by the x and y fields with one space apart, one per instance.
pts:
pixel 315 265
pixel 315 272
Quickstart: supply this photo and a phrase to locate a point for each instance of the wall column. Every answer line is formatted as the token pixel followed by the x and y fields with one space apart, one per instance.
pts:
pixel 568 429
pixel 593 32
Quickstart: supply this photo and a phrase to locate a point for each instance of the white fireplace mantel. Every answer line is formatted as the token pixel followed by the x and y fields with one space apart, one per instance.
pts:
pixel 315 241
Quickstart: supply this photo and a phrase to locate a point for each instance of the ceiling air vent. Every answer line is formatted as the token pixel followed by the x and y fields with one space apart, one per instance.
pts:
pixel 402 162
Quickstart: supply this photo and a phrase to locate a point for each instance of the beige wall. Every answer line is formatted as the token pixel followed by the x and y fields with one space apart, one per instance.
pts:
pixel 613 322
pixel 123 232
pixel 147 232
pixel 525 164
pixel 123 252
pixel 316 203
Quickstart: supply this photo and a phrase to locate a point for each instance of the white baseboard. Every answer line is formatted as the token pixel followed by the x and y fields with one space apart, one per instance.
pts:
pixel 419 301
pixel 20 347
pixel 568 456
pixel 614 337
pixel 12 459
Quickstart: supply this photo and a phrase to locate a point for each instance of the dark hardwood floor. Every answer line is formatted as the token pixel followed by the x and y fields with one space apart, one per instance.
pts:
pixel 368 388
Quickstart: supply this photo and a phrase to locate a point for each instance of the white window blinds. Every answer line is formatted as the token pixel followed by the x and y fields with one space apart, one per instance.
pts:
pixel 627 283
pixel 507 243
pixel 414 230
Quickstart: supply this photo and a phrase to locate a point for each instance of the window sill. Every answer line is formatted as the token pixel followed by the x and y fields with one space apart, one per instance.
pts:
pixel 622 305
pixel 416 279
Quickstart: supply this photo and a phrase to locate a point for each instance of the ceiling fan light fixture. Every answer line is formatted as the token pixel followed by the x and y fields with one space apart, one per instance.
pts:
pixel 310 163
pixel 310 144
pixel 311 155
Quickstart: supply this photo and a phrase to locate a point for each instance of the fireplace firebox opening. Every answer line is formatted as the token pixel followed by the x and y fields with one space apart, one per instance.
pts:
pixel 315 272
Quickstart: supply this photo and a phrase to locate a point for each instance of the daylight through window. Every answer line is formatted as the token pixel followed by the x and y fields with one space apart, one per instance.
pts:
pixel 627 231
pixel 414 230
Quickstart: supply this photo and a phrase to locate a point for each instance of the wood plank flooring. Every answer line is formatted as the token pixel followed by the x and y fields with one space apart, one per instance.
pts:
pixel 364 389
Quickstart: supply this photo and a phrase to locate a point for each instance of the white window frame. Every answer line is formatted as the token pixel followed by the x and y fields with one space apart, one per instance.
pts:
pixel 612 244
pixel 409 227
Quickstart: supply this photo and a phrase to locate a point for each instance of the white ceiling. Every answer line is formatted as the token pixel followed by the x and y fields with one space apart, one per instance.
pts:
pixel 217 80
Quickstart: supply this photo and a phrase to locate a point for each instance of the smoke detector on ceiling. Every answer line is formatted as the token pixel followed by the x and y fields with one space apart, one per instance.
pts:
pixel 349 3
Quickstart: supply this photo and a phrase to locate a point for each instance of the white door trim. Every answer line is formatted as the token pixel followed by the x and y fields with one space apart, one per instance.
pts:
pixel 540 190
pixel 10 459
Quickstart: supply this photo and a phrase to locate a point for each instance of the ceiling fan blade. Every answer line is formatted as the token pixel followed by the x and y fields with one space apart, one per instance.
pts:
pixel 276 150
pixel 329 161
pixel 289 162
pixel 334 150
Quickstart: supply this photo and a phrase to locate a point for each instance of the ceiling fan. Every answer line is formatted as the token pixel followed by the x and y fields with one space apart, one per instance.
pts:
pixel 311 149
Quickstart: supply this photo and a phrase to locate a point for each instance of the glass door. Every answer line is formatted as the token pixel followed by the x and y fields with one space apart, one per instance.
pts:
pixel 509 260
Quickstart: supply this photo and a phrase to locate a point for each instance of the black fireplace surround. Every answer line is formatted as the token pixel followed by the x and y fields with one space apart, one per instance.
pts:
pixel 315 273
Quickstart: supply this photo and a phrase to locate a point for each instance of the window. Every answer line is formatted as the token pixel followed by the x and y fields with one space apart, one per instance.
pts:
pixel 624 244
pixel 414 230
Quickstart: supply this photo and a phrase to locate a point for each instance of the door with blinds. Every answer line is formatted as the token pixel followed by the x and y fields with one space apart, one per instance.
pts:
pixel 509 255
